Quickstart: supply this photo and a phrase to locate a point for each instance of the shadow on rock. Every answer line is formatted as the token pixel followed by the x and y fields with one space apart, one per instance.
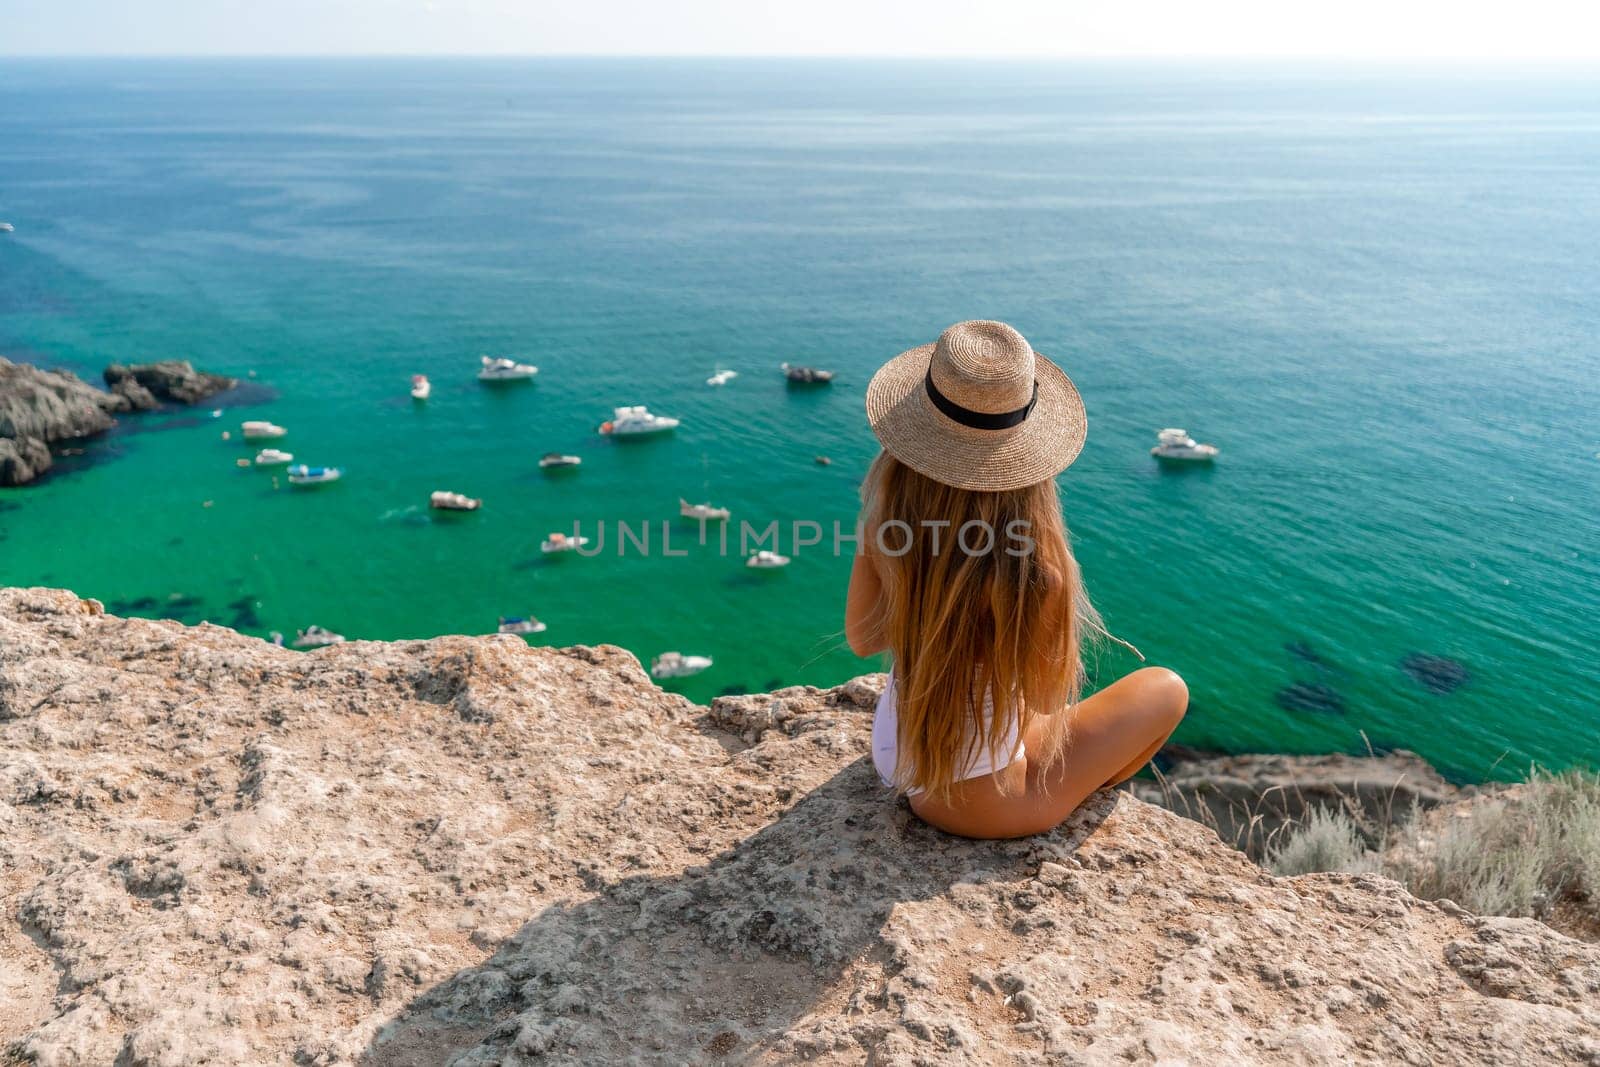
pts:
pixel 722 960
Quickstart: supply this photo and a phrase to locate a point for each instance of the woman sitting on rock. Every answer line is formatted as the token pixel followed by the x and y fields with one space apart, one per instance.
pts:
pixel 964 575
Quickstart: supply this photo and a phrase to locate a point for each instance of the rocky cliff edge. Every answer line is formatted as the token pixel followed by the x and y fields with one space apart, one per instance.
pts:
pixel 470 851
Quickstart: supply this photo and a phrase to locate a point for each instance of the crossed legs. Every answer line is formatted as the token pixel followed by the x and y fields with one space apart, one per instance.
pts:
pixel 1112 734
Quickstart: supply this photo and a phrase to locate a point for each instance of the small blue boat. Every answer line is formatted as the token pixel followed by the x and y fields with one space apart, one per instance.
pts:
pixel 300 474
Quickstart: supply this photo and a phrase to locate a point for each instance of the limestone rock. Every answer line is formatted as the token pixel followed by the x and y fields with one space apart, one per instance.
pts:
pixel 138 397
pixel 169 380
pixel 471 851
pixel 22 460
pixel 38 407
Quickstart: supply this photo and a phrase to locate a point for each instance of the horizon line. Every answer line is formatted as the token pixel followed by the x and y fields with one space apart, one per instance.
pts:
pixel 1020 57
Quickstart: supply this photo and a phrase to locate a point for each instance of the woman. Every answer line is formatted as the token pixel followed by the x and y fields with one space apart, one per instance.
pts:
pixel 963 574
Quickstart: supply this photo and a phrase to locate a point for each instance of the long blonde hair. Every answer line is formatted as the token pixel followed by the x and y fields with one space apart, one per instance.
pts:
pixel 963 625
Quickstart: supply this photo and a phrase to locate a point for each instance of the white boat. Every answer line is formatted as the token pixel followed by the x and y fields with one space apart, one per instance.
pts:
pixel 560 542
pixel 444 500
pixel 516 624
pixel 300 474
pixel 505 370
pixel 677 665
pixel 702 512
pixel 722 377
pixel 421 388
pixel 634 420
pixel 765 560
pixel 316 637
pixel 556 459
pixel 262 431
pixel 6 227
pixel 272 457
pixel 1178 446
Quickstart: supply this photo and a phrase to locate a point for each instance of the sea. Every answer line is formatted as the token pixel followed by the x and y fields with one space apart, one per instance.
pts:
pixel 1375 288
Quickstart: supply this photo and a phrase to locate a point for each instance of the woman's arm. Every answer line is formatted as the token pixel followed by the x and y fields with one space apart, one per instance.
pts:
pixel 863 608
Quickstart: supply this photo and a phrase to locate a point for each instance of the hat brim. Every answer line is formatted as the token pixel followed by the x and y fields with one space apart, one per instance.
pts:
pixel 922 437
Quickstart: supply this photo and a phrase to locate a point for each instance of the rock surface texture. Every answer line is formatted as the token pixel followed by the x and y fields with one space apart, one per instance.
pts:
pixel 466 850
pixel 40 406
pixel 173 381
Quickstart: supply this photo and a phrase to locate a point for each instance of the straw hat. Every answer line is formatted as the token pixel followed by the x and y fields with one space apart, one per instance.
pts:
pixel 978 409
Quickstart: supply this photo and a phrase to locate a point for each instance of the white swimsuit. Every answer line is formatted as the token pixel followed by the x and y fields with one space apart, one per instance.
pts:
pixel 886 744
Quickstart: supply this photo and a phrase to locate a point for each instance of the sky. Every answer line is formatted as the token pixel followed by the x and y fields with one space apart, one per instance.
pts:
pixel 1376 29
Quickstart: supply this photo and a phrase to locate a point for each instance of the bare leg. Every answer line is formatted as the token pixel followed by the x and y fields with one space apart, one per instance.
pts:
pixel 1113 733
pixel 1138 763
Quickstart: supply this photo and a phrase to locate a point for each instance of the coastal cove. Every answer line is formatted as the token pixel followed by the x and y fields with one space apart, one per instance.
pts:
pixel 1377 295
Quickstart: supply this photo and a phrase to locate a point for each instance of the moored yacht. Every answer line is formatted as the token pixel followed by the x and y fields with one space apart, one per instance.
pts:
pixel 444 500
pixel 421 388
pixel 272 457
pixel 677 665
pixel 702 512
pixel 6 227
pixel 261 430
pixel 767 560
pixel 316 637
pixel 806 375
pixel 1176 445
pixel 722 377
pixel 516 624
pixel 557 460
pixel 505 370
pixel 560 542
pixel 636 420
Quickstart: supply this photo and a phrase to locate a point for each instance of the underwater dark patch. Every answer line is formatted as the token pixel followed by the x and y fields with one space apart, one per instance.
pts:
pixel 1312 697
pixel 1302 651
pixel 732 691
pixel 1439 675
pixel 772 683
pixel 78 454
pixel 244 615
pixel 126 606
pixel 187 616
pixel 130 425
pixel 243 395
pixel 183 608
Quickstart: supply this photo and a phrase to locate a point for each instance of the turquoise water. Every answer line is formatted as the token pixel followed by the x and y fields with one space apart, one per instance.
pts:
pixel 1377 291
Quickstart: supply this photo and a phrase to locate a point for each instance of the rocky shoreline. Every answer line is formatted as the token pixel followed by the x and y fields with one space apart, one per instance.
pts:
pixel 40 408
pixel 471 851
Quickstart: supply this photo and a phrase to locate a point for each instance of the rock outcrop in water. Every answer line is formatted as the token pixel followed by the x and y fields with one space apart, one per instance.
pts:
pixel 173 381
pixel 468 850
pixel 38 407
